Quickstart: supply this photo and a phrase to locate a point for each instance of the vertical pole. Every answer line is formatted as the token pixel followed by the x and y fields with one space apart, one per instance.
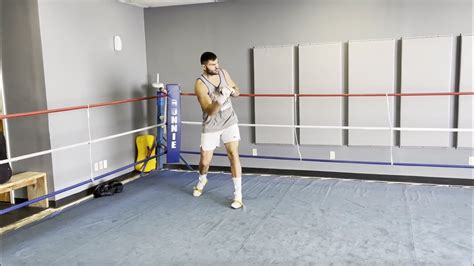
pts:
pixel 160 118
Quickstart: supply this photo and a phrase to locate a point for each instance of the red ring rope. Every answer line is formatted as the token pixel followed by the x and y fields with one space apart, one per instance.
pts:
pixel 64 109
pixel 348 94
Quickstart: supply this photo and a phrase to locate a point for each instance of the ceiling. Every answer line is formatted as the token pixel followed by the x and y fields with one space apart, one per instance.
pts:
pixel 161 3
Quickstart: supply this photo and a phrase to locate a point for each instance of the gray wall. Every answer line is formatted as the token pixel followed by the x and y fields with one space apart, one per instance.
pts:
pixel 176 36
pixel 81 67
pixel 24 85
pixel 1 49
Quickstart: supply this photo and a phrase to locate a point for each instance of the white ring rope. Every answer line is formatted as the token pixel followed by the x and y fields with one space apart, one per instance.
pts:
pixel 347 127
pixel 36 154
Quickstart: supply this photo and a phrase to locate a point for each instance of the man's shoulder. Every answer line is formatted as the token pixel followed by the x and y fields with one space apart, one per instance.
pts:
pixel 199 82
pixel 226 74
pixel 223 71
pixel 199 85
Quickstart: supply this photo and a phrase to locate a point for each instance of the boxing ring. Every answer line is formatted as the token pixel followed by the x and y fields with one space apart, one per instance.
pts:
pixel 287 219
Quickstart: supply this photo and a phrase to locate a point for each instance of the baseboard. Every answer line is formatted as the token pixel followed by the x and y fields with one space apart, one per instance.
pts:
pixel 341 175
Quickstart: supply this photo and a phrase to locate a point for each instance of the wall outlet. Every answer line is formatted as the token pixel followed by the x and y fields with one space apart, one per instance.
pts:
pixel 105 164
pixel 332 155
pixel 254 152
pixel 101 165
pixel 96 167
pixel 471 160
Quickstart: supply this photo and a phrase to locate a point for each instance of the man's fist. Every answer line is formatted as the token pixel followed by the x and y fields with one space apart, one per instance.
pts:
pixel 222 96
pixel 226 91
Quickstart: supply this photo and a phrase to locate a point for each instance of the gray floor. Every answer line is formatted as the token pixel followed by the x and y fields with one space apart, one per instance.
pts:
pixel 287 220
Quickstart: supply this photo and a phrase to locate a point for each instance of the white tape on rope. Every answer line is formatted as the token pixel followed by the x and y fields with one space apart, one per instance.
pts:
pixel 90 142
pixel 391 128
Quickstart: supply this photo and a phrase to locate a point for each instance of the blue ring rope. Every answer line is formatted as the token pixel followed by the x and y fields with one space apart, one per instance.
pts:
pixel 26 203
pixel 344 161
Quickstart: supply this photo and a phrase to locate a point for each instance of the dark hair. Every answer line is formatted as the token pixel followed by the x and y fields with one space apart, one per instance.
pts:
pixel 206 56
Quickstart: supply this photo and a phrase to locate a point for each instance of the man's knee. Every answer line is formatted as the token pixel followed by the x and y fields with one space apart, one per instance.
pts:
pixel 233 155
pixel 205 162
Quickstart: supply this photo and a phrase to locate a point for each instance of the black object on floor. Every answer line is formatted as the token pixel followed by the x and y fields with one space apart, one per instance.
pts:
pixel 108 189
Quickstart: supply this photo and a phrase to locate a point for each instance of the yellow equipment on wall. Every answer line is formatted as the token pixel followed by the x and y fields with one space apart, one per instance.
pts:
pixel 145 148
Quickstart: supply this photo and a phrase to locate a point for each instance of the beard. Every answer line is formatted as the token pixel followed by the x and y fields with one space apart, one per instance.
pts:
pixel 211 72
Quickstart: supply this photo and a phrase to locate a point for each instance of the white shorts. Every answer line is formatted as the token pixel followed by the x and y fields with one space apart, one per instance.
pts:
pixel 209 141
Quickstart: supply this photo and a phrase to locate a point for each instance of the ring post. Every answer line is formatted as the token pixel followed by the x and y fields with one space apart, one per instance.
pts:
pixel 173 123
pixel 160 108
pixel 160 113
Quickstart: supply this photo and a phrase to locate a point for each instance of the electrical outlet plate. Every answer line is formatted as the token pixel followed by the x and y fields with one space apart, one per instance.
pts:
pixel 332 155
pixel 254 152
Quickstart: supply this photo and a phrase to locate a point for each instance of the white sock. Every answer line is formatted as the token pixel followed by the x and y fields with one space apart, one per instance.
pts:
pixel 237 188
pixel 202 181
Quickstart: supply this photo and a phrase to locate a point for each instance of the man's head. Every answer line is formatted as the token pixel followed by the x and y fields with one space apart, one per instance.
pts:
pixel 210 64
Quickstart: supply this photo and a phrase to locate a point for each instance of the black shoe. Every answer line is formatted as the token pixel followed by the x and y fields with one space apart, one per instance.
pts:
pixel 103 190
pixel 116 187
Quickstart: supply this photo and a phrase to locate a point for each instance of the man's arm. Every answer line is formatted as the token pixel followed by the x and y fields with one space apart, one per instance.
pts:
pixel 207 105
pixel 232 84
